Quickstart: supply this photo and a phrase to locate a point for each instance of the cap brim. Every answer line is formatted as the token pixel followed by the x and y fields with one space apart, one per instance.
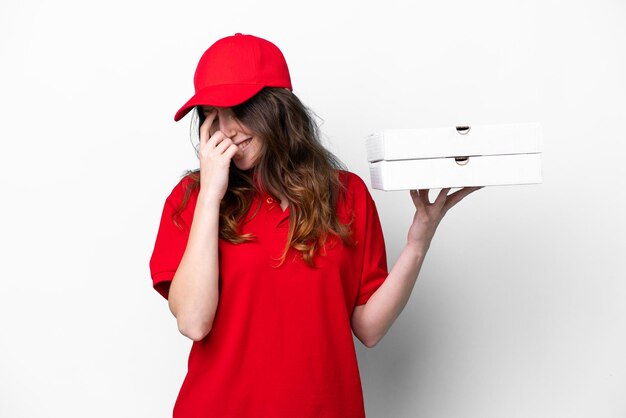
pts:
pixel 224 95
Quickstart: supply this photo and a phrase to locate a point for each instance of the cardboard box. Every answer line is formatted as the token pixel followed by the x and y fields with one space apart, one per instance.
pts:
pixel 457 156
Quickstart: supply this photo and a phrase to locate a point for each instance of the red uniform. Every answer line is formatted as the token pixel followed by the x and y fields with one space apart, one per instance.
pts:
pixel 281 343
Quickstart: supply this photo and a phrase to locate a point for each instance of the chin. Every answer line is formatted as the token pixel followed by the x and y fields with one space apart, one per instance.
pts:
pixel 243 165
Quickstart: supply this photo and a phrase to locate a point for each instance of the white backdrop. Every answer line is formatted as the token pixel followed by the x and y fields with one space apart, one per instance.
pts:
pixel 519 310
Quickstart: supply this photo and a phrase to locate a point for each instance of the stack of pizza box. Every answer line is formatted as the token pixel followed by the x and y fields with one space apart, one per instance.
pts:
pixel 455 156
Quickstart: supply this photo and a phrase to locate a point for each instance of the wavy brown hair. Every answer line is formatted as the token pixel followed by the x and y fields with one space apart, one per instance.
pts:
pixel 292 162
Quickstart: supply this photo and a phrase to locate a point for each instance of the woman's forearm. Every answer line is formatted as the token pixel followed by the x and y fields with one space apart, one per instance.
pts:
pixel 386 304
pixel 194 291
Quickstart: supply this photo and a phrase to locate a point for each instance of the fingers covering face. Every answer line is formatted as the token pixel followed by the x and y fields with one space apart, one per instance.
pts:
pixel 206 126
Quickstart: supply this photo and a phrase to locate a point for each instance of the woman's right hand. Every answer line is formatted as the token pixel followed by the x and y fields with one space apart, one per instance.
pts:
pixel 215 155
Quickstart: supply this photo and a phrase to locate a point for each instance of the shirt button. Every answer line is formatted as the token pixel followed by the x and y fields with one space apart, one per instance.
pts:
pixel 270 200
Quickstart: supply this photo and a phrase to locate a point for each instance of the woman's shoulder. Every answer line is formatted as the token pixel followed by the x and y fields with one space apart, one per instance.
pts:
pixel 355 185
pixel 186 184
pixel 356 194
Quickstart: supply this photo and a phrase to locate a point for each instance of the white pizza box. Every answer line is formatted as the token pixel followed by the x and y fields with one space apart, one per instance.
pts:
pixel 457 156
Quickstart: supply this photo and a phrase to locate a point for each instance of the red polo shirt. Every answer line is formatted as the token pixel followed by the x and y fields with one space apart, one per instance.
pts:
pixel 281 342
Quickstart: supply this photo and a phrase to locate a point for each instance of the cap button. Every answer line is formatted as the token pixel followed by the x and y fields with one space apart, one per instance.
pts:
pixel 238 34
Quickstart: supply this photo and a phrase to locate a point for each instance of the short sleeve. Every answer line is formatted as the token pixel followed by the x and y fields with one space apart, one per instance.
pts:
pixel 170 243
pixel 374 266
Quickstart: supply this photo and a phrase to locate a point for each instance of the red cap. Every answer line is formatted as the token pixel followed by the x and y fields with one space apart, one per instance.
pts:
pixel 234 69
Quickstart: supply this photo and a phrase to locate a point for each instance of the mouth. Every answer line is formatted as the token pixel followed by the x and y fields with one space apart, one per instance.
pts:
pixel 243 144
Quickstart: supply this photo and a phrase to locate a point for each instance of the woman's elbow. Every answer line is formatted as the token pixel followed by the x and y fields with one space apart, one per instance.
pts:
pixel 192 325
pixel 195 332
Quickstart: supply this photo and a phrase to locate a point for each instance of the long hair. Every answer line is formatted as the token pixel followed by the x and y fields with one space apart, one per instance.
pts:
pixel 292 162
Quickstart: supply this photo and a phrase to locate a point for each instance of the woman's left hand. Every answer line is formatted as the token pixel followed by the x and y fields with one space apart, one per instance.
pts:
pixel 428 215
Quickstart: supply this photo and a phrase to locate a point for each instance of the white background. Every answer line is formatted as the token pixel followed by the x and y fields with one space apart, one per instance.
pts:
pixel 520 307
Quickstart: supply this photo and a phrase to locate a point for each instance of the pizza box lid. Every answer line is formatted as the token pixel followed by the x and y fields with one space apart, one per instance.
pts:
pixel 454 141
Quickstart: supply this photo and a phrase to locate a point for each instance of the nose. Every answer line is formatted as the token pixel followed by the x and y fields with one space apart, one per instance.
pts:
pixel 228 124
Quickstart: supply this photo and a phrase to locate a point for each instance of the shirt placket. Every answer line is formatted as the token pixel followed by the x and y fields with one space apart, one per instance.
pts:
pixel 276 214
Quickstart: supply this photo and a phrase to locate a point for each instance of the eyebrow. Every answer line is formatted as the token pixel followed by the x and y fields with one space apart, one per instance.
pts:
pixel 207 108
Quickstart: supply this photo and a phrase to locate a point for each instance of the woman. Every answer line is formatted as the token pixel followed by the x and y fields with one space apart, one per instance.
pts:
pixel 272 254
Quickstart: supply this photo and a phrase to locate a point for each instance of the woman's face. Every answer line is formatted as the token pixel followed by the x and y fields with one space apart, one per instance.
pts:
pixel 248 143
